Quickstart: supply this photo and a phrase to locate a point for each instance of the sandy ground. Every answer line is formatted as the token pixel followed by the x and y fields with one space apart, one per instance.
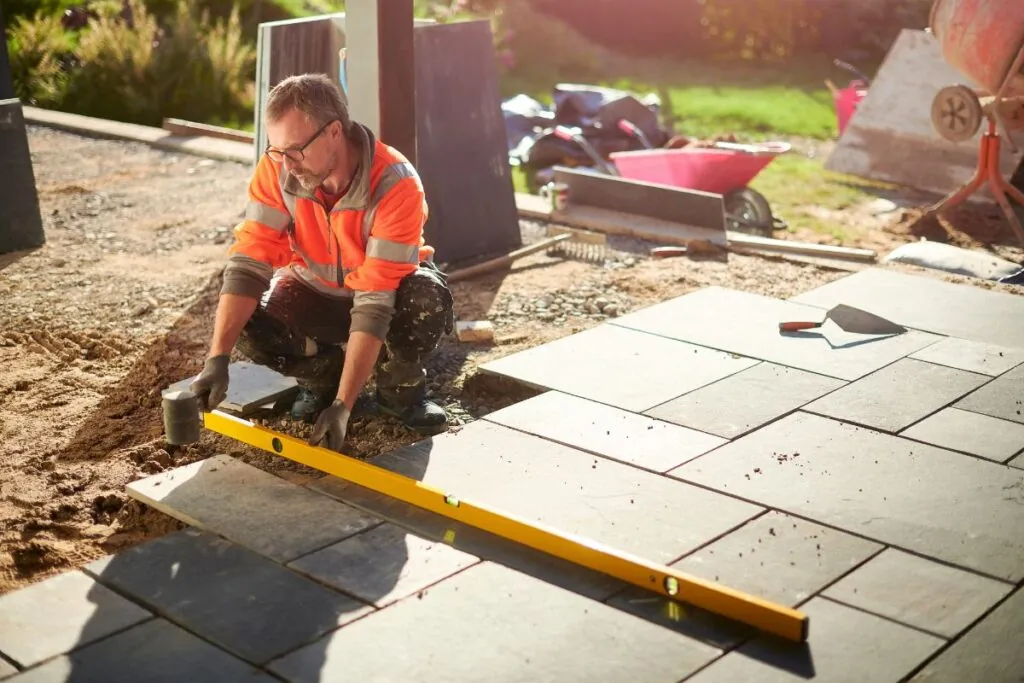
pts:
pixel 119 304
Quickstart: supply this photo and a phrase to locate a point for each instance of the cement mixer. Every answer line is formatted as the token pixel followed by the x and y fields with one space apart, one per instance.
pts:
pixel 984 40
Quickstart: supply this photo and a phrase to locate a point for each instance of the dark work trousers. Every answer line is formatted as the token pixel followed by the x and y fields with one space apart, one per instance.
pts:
pixel 291 312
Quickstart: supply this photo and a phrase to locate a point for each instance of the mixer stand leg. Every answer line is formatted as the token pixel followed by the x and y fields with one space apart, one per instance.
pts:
pixel 988 170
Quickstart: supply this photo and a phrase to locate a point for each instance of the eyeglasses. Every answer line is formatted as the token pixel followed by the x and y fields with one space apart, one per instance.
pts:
pixel 299 153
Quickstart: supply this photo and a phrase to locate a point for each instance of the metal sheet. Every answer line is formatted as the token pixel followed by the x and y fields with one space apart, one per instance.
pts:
pixel 891 137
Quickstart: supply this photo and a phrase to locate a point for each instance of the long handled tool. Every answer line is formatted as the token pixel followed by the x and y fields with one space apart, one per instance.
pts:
pixel 849 319
pixel 182 419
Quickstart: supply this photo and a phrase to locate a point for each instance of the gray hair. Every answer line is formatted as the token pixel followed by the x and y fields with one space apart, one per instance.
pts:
pixel 315 95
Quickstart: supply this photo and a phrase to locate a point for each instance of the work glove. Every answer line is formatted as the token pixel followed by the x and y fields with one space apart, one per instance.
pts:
pixel 332 426
pixel 211 386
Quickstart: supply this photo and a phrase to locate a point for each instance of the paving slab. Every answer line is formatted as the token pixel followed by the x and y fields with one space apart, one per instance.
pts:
pixel 473 541
pixel 492 621
pixel 243 602
pixel 619 367
pixel 610 432
pixel 844 646
pixel 747 400
pixel 155 652
pixel 1003 397
pixel 384 564
pixel 7 669
pixel 650 515
pixel 974 433
pixel 929 304
pixel 918 592
pixel 963 354
pixel 250 386
pixel 918 497
pixel 748 324
pixel 60 614
pixel 897 396
pixel 265 513
pixel 992 651
pixel 1018 462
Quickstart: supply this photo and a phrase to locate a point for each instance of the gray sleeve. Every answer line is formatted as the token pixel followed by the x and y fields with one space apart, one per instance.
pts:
pixel 246 276
pixel 372 313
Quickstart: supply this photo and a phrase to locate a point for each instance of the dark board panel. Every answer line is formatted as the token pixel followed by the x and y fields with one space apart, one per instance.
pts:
pixel 700 209
pixel 21 226
pixel 461 143
pixel 6 83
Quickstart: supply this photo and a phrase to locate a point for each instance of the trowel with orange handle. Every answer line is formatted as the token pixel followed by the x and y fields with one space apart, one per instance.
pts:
pixel 849 319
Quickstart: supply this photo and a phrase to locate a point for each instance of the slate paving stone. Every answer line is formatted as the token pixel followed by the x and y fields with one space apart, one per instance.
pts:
pixel 647 514
pixel 992 651
pixel 614 433
pixel 474 541
pixel 844 646
pixel 60 614
pixel 384 564
pixel 1003 397
pixel 251 507
pixel 243 602
pixel 1018 462
pixel 929 304
pixel 963 354
pixel 897 396
pixel 918 592
pixel 779 558
pixel 974 433
pixel 619 367
pixel 155 652
pixel 745 401
pixel 491 622
pixel 922 498
pixel 7 669
pixel 748 324
pixel 250 387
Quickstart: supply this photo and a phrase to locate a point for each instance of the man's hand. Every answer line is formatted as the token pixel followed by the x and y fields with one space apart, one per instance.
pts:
pixel 332 425
pixel 211 387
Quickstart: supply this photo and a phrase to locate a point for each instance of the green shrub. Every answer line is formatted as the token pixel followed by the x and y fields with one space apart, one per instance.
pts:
pixel 190 69
pixel 38 48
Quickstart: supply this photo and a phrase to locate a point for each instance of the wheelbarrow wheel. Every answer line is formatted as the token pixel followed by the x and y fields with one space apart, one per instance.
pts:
pixel 747 210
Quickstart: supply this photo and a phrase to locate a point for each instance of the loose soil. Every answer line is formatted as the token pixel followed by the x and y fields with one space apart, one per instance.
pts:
pixel 119 304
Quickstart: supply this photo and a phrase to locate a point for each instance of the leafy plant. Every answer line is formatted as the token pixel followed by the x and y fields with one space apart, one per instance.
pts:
pixel 39 49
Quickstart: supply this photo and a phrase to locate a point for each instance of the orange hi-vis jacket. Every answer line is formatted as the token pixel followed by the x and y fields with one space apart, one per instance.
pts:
pixel 360 248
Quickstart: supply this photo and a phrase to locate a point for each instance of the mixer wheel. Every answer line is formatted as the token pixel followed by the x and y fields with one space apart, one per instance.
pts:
pixel 956 113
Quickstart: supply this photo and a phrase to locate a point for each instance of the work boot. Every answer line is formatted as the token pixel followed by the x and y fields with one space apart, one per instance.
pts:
pixel 402 393
pixel 318 378
pixel 422 416
pixel 309 403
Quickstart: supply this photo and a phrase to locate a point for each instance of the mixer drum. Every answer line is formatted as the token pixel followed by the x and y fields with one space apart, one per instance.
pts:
pixel 981 39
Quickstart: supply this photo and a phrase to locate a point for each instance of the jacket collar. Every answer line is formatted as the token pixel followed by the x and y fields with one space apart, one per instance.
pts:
pixel 358 195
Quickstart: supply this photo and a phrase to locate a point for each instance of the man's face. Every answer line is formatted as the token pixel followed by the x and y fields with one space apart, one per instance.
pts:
pixel 311 153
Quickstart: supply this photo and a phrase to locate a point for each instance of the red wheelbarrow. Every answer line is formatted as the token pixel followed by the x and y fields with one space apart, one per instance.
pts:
pixel 726 169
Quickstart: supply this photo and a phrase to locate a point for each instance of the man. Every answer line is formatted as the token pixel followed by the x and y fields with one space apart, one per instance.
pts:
pixel 329 277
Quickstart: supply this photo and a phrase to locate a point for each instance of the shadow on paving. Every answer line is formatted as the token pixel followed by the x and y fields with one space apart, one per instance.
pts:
pixel 222 612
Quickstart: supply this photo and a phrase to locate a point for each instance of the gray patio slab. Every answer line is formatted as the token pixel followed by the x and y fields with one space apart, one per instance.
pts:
pixel 748 324
pixel 963 354
pixel 1003 397
pixel 650 515
pixel 243 602
pixel 918 497
pixel 747 400
pixel 489 621
pixel 267 514
pixel 155 652
pixel 918 592
pixel 473 541
pixel 898 395
pixel 250 387
pixel 60 614
pixel 1018 462
pixel 619 367
pixel 844 646
pixel 610 432
pixel 384 564
pixel 992 651
pixel 7 669
pixel 929 304
pixel 974 433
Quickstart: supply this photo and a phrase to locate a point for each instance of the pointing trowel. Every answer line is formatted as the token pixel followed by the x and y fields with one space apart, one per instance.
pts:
pixel 849 319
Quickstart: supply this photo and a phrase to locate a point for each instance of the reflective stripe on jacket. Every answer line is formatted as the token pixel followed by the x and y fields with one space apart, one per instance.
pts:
pixel 361 248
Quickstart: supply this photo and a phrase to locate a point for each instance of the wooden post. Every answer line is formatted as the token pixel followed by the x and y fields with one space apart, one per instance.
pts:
pixel 382 76
pixel 6 81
